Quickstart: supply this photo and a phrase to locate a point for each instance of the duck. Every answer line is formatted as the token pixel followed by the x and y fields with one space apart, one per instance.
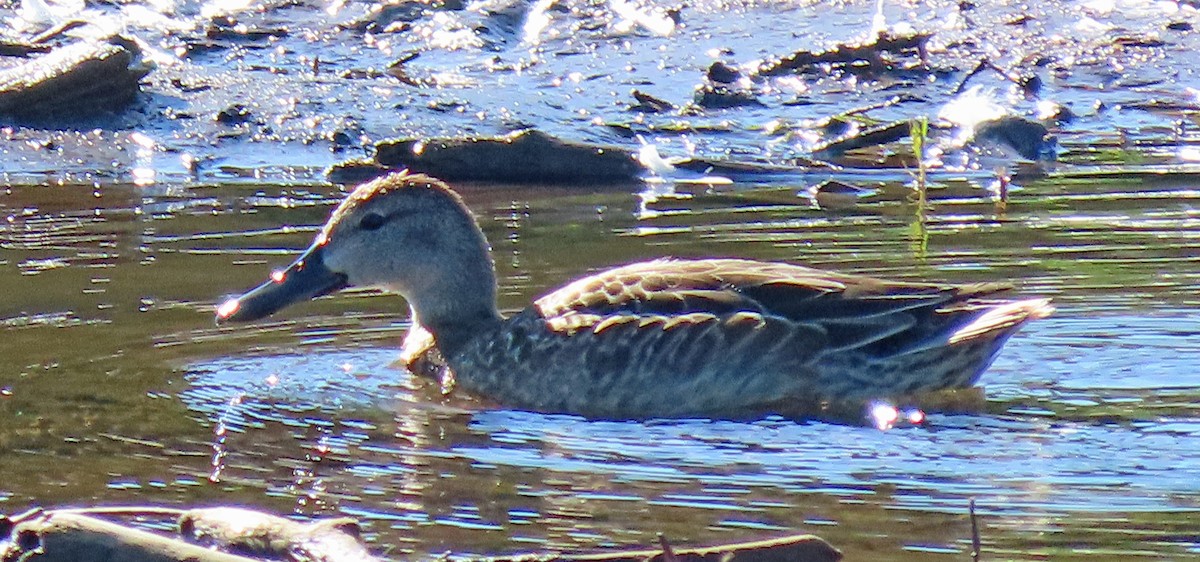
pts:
pixel 668 338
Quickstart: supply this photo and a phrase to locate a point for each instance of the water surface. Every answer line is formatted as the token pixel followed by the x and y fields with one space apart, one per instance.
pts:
pixel 118 388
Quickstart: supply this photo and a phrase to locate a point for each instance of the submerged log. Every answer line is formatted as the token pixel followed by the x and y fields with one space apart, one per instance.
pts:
pixel 78 79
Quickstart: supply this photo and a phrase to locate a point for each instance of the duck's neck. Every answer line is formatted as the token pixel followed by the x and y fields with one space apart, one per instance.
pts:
pixel 456 298
pixel 453 331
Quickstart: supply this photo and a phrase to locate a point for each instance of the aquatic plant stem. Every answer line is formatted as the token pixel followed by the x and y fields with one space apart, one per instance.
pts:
pixel 919 133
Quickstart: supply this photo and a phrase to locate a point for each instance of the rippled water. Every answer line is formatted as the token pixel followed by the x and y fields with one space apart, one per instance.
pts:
pixel 117 388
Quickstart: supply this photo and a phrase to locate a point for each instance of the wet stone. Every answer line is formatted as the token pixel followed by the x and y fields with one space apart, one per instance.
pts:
pixel 718 96
pixel 647 103
pixel 1030 139
pixel 722 73
pixel 236 114
pixel 81 78
pixel 527 156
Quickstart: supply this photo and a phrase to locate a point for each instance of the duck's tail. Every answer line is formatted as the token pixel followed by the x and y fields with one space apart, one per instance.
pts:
pixel 1002 320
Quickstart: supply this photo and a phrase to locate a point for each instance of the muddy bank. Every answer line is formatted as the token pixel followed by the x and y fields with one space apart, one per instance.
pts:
pixel 285 89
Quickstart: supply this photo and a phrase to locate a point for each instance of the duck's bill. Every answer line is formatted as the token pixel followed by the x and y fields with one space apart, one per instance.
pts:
pixel 307 278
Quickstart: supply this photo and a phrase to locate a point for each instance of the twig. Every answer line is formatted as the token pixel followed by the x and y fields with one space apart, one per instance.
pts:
pixel 962 84
pixel 30 513
pixel 667 551
pixel 57 31
pixel 975 546
pixel 894 100
pixel 128 510
pixel 1029 85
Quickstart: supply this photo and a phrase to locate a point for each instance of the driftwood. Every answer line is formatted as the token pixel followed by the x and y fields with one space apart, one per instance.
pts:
pixel 258 534
pixel 797 548
pixel 241 535
pixel 750 171
pixel 534 157
pixel 65 536
pixel 18 48
pixel 871 136
pixel 870 51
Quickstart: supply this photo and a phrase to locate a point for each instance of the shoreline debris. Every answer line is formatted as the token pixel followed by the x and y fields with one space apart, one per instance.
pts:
pixel 229 534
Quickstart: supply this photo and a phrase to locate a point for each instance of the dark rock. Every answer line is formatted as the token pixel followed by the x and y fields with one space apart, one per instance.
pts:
pixel 527 156
pixel 81 78
pixel 676 14
pixel 235 114
pixel 404 12
pixel 1031 85
pixel 1029 139
pixel 832 194
pixel 722 73
pixel 647 103
pixel 717 96
pixel 341 139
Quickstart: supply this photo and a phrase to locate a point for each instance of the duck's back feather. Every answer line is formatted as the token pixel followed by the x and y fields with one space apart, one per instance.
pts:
pixel 855 311
pixel 723 336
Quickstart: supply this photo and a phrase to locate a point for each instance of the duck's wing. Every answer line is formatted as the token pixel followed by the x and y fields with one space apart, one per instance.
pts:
pixel 855 312
pixel 727 337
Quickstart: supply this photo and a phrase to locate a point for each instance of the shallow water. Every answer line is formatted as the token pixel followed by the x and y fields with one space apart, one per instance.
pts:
pixel 118 389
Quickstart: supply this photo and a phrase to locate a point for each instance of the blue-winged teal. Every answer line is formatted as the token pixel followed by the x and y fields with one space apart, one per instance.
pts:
pixel 666 338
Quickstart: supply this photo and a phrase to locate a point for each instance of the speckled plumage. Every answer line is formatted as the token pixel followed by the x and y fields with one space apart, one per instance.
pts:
pixel 666 338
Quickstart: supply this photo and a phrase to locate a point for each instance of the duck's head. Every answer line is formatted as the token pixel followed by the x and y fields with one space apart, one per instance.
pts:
pixel 404 232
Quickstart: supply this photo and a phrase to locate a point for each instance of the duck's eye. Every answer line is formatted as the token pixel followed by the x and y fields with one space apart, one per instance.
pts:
pixel 372 221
